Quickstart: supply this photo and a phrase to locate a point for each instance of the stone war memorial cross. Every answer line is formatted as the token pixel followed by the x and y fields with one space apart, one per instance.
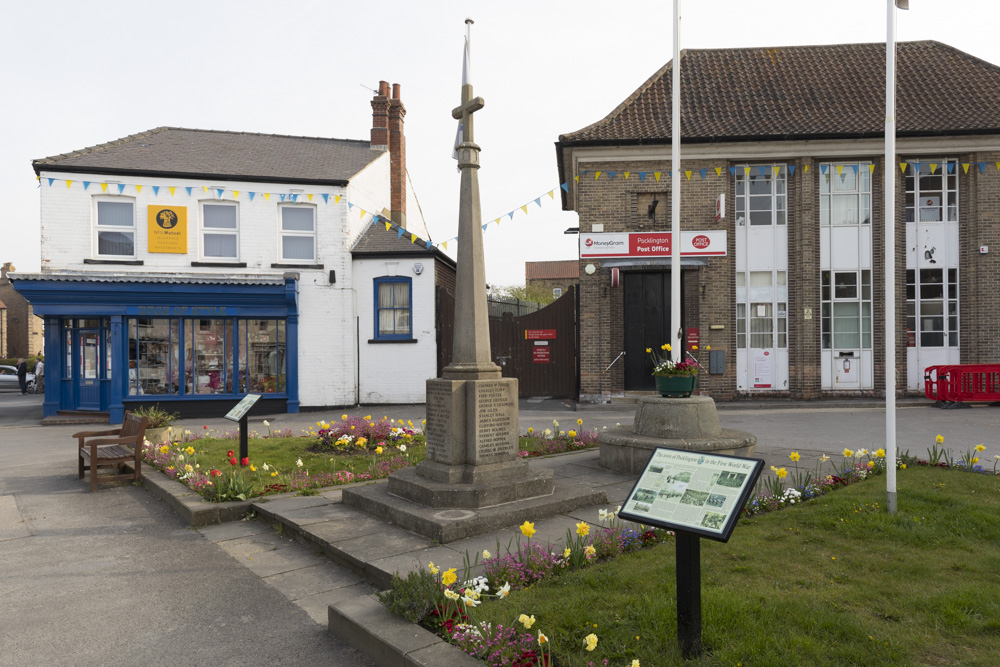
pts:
pixel 472 479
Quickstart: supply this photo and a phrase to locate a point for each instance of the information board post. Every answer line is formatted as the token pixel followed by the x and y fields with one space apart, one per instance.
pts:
pixel 688 572
pixel 239 414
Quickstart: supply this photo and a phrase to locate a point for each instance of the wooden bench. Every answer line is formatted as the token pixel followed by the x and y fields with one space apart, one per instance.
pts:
pixel 103 451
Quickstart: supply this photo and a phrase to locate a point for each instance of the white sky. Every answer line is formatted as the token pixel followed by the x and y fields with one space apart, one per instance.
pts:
pixel 78 74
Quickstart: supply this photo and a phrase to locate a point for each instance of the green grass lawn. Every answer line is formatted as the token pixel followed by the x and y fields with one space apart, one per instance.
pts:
pixel 835 581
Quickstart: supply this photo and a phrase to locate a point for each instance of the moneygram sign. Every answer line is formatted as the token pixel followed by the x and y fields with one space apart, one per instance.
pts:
pixel 652 244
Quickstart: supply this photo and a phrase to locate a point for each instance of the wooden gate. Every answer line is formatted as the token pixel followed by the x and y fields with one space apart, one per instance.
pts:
pixel 539 349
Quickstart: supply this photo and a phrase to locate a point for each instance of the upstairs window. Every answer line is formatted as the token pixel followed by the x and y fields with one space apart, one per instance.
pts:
pixel 761 195
pixel 298 234
pixel 220 231
pixel 115 228
pixel 392 308
pixel 845 194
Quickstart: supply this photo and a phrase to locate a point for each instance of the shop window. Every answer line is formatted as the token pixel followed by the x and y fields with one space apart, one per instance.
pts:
pixel 153 357
pixel 262 356
pixel 115 228
pixel 208 357
pixel 392 308
pixel 220 231
pixel 298 233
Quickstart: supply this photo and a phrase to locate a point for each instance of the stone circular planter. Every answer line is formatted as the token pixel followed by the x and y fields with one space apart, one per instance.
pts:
pixel 679 386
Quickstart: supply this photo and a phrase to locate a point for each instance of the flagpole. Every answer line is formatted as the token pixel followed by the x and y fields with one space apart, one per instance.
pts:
pixel 677 349
pixel 890 257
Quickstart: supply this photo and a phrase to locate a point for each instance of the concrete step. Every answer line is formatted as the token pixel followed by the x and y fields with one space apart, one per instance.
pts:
pixel 64 417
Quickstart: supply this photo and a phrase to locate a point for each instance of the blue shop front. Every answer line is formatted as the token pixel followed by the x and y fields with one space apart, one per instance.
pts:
pixel 192 344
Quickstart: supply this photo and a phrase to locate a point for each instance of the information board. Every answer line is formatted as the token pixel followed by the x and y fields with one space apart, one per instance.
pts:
pixel 242 407
pixel 692 491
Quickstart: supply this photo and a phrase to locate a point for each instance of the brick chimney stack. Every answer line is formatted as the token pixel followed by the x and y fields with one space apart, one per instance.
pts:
pixel 387 134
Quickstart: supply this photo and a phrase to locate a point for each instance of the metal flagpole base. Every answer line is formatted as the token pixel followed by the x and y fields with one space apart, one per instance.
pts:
pixel 890 502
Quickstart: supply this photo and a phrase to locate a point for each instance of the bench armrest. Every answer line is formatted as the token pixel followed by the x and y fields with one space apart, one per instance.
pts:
pixel 131 440
pixel 89 434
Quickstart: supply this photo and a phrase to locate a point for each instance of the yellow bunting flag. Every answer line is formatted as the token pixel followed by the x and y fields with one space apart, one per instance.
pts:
pixel 138 189
pixel 805 168
pixel 552 194
pixel 746 171
pixel 998 165
pixel 444 245
pixel 597 175
pixel 933 167
pixel 388 226
pixel 871 168
pixel 525 209
pixel 68 183
pixel 902 167
pixel 310 197
pixel 104 187
pixel 361 212
pixel 413 238
pixel 336 199
pixel 205 188
pixel 626 174
pixel 688 174
pixel 718 171
pixel 656 174
pixel 496 221
pixel 576 178
pixel 777 169
pixel 840 169
pixel 236 194
pixel 267 196
pixel 965 167
pixel 171 188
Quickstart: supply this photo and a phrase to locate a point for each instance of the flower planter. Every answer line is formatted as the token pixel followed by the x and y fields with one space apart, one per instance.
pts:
pixel 675 386
pixel 159 436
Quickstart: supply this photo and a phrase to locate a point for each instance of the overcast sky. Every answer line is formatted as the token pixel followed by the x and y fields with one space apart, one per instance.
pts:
pixel 78 74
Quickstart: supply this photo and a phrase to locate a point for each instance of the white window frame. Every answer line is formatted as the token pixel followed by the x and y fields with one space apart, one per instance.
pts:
pixel 948 208
pixel 778 197
pixel 282 233
pixel 556 292
pixel 219 231
pixel 862 191
pixel 98 228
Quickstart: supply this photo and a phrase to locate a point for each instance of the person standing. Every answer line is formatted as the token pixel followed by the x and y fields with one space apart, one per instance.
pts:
pixel 40 377
pixel 22 376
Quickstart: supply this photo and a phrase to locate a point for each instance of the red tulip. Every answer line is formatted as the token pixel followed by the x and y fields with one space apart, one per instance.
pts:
pixel 245 461
pixel 232 461
pixel 215 473
pixel 230 454
pixel 205 427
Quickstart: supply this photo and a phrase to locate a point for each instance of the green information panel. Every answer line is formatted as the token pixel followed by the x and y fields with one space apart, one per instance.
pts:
pixel 242 407
pixel 693 492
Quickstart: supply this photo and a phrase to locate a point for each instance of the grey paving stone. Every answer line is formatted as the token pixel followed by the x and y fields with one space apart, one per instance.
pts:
pixel 318 605
pixel 344 523
pixel 440 654
pixel 289 504
pixel 312 580
pixel 369 627
pixel 232 530
pixel 283 559
pixel 306 516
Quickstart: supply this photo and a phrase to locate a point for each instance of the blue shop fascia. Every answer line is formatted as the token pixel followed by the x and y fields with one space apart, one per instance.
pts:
pixel 193 344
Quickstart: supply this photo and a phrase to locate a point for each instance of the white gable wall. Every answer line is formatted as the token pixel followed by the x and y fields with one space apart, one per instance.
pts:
pixel 396 372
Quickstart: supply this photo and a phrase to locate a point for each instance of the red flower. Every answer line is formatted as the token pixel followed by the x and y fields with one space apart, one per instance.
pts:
pixel 230 454
pixel 205 427
pixel 232 461
pixel 215 473
pixel 245 461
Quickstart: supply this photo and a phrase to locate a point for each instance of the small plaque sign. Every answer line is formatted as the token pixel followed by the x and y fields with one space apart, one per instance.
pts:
pixel 540 334
pixel 692 491
pixel 540 355
pixel 242 407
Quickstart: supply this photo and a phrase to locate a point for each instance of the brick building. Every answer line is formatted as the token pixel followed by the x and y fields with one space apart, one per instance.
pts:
pixel 20 328
pixel 555 277
pixel 787 283
pixel 191 267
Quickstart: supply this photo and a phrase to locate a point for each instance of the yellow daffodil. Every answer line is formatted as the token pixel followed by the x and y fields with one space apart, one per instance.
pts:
pixel 980 447
pixel 343 417
pixel 579 422
pixel 572 434
pixel 180 457
pixel 583 529
pixel 589 550
pixel 975 459
pixel 486 554
pixel 450 594
pixel 368 418
pixel 189 450
pixel 880 453
pixel 433 568
pixel 503 591
pixel 566 552
pixel 635 661
pixel 666 346
pixel 528 529
pixel 870 464
pixel 903 466
pixel 939 439
pixel 274 474
pixel 164 449
pixel 781 473
pixel 530 430
pixel 253 468
pixel 848 453
pixel 378 450
pixel 188 468
pixel 590 641
pixel 542 638
pixel 449 577
pixel 794 456
pixel 649 350
pixel 526 620
pixel 824 458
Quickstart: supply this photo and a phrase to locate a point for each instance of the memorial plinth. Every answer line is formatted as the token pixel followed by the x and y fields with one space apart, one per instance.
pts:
pixel 678 423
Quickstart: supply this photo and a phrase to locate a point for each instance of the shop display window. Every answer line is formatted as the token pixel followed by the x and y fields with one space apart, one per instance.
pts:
pixel 207 357
pixel 153 357
pixel 262 356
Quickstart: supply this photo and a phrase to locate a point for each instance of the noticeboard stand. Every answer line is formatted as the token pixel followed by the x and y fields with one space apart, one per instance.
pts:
pixel 688 572
pixel 239 414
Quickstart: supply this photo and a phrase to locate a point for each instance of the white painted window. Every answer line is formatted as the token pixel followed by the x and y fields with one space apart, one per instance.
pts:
pixel 298 233
pixel 846 298
pixel 557 292
pixel 934 193
pixel 761 195
pixel 845 194
pixel 220 231
pixel 115 229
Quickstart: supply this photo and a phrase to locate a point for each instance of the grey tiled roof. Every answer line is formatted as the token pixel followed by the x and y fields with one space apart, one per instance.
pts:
pixel 376 240
pixel 182 152
pixel 799 92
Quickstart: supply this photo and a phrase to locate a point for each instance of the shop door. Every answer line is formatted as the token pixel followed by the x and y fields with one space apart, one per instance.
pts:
pixel 647 325
pixel 87 369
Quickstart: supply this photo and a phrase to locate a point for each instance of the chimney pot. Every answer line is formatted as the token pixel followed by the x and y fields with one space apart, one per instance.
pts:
pixel 395 91
pixel 383 88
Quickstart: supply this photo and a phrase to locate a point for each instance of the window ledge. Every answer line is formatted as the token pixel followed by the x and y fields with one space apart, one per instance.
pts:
pixel 297 266
pixel 233 265
pixel 377 341
pixel 124 262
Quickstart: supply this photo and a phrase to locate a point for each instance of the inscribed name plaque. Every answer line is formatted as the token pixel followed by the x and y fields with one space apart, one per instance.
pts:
pixel 445 421
pixel 692 491
pixel 493 421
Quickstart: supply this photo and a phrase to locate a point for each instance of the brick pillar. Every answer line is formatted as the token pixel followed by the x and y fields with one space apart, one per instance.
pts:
pixel 397 158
